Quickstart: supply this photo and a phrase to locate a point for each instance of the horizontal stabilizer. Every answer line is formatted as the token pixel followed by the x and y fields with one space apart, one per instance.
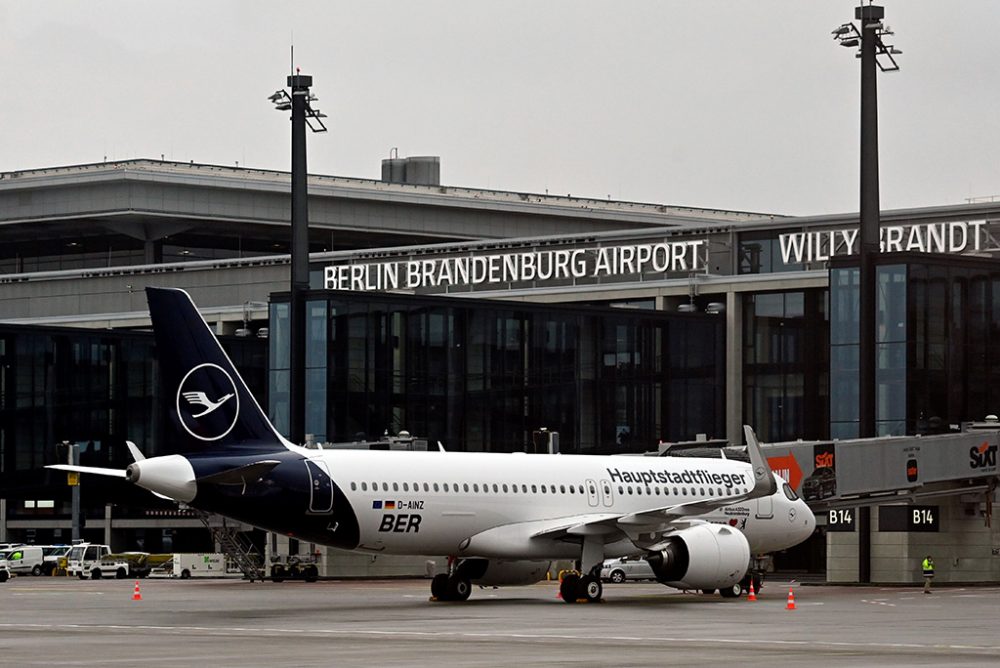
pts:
pixel 241 475
pixel 114 473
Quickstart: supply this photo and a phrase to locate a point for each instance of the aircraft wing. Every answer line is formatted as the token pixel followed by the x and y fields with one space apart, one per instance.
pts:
pixel 114 473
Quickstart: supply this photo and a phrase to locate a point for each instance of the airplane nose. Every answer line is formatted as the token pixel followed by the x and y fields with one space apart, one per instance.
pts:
pixel 809 520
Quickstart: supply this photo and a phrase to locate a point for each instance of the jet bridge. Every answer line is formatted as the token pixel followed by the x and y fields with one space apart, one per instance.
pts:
pixel 930 494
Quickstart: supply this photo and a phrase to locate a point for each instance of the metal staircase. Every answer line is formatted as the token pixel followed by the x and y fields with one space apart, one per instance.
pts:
pixel 239 550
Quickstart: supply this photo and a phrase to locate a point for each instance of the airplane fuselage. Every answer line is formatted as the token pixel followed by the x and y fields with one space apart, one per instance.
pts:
pixel 435 502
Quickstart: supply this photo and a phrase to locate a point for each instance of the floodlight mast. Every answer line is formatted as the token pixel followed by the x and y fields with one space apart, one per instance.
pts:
pixel 302 114
pixel 869 37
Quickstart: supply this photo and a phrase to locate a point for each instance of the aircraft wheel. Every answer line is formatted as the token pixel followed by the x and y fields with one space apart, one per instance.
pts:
pixel 591 588
pixel 732 592
pixel 459 588
pixel 617 577
pixel 569 588
pixel 439 587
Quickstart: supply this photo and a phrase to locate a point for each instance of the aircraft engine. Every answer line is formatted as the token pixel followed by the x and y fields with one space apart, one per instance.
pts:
pixel 706 556
pixel 502 572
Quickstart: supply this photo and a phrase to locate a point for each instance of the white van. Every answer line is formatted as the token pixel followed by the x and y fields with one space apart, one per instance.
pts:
pixel 24 559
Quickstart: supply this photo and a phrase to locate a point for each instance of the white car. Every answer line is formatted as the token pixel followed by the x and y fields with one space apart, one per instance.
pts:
pixel 626 568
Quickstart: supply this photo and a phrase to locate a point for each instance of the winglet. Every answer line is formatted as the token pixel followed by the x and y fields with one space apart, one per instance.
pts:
pixel 764 483
pixel 137 456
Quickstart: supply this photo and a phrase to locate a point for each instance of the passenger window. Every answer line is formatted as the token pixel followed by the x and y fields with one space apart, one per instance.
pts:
pixel 684 491
pixel 505 488
pixel 711 492
pixel 465 486
pixel 395 486
pixel 406 487
pixel 435 487
pixel 385 487
pixel 364 487
pixel 524 489
pixel 534 489
pixel 496 488
pixel 621 490
pixel 426 489
pixel 354 486
pixel 701 492
pixel 475 487
pixel 593 491
pixel 444 486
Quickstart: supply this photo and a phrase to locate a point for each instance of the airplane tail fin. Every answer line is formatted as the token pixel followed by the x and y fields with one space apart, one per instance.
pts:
pixel 207 400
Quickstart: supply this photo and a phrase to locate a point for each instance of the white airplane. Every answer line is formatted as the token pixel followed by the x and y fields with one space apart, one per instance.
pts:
pixel 501 518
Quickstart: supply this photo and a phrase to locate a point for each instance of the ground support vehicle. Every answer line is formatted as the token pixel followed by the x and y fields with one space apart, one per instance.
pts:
pixel 24 559
pixel 210 565
pixel 84 561
pixel 298 567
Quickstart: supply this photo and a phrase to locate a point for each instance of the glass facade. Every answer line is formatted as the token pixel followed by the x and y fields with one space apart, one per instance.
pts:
pixel 95 389
pixel 785 364
pixel 935 366
pixel 760 253
pixel 481 375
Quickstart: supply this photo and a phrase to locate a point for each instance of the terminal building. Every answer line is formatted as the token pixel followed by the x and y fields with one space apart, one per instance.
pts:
pixel 477 317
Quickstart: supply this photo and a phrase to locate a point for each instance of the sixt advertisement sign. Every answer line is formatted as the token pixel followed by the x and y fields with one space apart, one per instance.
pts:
pixel 954 237
pixel 534 265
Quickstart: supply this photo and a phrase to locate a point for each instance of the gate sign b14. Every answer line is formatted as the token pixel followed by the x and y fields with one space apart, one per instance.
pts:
pixel 909 518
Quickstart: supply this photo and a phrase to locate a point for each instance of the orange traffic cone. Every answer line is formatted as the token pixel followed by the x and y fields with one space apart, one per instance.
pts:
pixel 751 596
pixel 791 600
pixel 136 596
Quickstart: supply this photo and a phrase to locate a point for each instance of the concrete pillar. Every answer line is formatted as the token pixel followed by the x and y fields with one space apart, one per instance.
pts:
pixel 734 368
pixel 3 520
pixel 152 251
pixel 107 524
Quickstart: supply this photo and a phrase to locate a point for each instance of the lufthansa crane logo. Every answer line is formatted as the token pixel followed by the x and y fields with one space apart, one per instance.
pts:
pixel 208 404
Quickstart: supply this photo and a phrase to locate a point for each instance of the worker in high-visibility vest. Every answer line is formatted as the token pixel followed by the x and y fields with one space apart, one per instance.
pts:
pixel 928 566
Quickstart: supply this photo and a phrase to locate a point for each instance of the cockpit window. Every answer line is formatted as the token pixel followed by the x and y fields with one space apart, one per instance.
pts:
pixel 789 492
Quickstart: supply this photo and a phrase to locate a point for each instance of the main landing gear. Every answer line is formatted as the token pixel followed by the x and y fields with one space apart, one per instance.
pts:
pixel 575 588
pixel 451 587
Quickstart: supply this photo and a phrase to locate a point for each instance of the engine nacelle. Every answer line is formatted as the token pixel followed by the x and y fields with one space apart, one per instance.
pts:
pixel 501 572
pixel 706 556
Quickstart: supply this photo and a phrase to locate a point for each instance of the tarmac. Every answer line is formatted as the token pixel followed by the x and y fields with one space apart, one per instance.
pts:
pixel 69 622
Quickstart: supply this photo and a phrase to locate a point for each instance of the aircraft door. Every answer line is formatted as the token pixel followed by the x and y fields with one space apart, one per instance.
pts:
pixel 765 507
pixel 592 493
pixel 320 487
pixel 607 496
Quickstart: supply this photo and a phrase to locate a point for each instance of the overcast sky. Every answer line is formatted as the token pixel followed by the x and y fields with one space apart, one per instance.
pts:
pixel 748 106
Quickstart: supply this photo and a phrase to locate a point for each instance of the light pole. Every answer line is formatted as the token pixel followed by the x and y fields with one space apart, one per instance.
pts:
pixel 302 114
pixel 873 51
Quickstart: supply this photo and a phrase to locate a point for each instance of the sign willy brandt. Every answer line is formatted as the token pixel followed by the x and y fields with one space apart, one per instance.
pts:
pixel 953 237
pixel 532 265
